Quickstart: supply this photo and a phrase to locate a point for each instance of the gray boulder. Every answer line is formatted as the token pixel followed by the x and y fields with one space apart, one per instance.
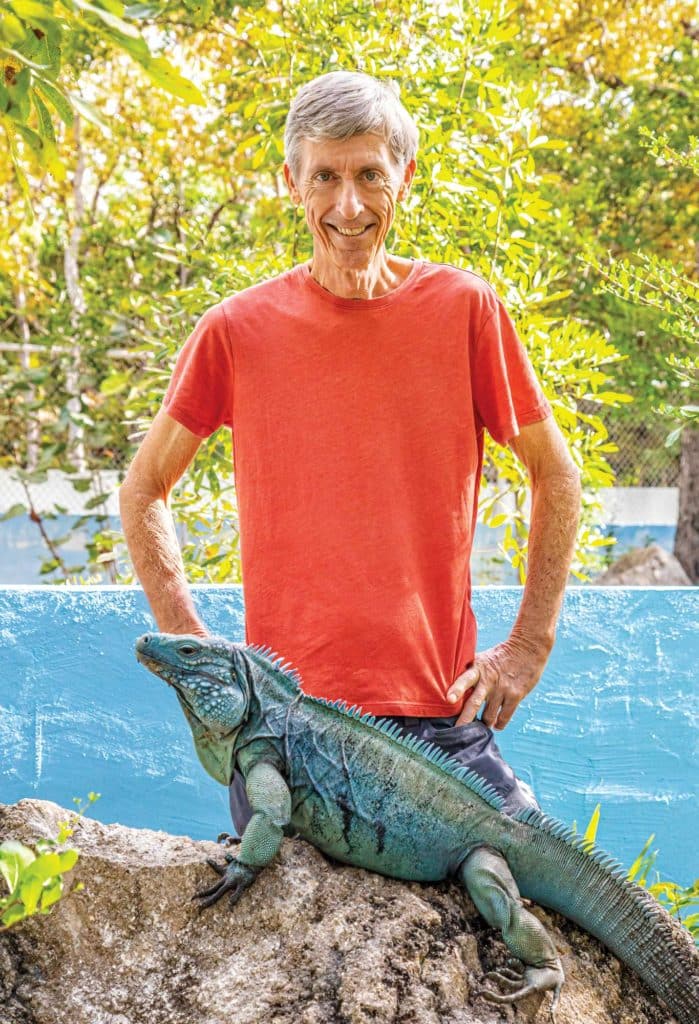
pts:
pixel 645 567
pixel 311 943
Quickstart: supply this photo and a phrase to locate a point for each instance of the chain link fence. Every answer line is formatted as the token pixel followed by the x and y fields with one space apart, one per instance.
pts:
pixel 642 459
pixel 33 510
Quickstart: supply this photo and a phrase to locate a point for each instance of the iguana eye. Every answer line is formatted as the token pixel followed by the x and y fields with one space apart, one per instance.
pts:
pixel 187 649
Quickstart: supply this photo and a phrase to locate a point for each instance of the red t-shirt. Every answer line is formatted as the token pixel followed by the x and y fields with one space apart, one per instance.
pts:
pixel 358 441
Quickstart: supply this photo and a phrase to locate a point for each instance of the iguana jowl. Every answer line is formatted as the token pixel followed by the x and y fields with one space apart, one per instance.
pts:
pixel 368 796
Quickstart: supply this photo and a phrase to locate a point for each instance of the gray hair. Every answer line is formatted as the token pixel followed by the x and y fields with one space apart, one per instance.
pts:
pixel 346 103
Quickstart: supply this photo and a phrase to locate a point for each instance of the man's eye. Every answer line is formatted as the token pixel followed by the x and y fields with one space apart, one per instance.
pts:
pixel 323 176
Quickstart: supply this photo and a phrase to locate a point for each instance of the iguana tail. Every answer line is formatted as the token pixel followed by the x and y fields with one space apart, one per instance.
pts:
pixel 552 867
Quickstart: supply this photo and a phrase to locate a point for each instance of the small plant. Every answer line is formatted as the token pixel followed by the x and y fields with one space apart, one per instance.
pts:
pixel 676 899
pixel 34 878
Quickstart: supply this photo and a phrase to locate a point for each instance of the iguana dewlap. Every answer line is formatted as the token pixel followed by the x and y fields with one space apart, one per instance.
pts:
pixel 368 796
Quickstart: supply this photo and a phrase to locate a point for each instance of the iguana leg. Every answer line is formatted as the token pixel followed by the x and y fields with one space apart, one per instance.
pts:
pixel 489 882
pixel 270 800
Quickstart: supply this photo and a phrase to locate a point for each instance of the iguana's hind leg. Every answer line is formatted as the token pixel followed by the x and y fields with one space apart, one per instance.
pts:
pixel 489 882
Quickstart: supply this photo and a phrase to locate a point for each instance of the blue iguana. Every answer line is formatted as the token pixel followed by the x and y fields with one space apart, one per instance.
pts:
pixel 366 794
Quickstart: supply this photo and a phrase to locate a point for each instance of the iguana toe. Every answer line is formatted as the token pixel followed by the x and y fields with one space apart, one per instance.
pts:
pixel 506 974
pixel 235 878
pixel 532 980
pixel 220 869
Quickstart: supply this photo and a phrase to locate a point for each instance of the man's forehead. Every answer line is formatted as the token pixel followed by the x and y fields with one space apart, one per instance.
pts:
pixel 359 150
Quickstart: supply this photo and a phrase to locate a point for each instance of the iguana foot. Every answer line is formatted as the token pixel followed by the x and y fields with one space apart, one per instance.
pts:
pixel 235 879
pixel 525 981
pixel 226 839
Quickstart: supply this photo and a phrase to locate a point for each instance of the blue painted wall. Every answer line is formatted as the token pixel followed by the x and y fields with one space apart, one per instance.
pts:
pixel 615 719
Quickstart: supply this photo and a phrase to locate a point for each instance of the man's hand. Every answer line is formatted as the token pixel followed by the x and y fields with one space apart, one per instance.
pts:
pixel 501 677
pixel 505 674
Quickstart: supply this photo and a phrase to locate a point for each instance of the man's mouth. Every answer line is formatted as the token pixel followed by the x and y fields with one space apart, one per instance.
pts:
pixel 351 232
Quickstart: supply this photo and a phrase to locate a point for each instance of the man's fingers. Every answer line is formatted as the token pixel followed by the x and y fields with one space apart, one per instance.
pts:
pixel 472 704
pixel 466 681
pixel 491 713
pixel 506 712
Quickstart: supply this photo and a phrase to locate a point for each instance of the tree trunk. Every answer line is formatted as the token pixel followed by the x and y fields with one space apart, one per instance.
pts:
pixel 78 306
pixel 687 536
pixel 33 433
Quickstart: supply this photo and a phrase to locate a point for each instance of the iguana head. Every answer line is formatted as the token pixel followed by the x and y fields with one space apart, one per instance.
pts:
pixel 208 676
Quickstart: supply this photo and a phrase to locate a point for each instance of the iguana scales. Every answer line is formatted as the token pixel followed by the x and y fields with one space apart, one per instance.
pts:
pixel 364 793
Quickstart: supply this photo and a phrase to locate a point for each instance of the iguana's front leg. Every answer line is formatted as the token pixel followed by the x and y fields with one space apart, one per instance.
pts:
pixel 490 884
pixel 270 800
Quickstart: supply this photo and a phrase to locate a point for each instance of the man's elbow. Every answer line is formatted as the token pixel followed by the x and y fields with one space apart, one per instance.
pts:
pixel 136 492
pixel 560 475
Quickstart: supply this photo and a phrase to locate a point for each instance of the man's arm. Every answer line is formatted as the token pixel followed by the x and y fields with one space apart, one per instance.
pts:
pixel 162 458
pixel 505 674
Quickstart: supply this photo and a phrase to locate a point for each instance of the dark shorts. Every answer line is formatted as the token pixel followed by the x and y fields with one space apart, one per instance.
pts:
pixel 471 745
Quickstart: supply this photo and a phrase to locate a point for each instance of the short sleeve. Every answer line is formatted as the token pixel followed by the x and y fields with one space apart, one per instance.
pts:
pixel 506 393
pixel 200 393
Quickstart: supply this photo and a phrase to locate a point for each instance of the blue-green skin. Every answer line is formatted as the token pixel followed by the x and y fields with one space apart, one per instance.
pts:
pixel 354 789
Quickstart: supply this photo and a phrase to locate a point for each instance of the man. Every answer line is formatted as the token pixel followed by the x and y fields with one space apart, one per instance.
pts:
pixel 358 388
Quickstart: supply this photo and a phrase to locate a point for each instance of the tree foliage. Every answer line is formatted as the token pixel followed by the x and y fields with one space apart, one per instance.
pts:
pixel 41 43
pixel 178 204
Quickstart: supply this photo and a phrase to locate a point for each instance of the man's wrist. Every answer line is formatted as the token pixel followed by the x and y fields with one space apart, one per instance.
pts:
pixel 535 641
pixel 174 611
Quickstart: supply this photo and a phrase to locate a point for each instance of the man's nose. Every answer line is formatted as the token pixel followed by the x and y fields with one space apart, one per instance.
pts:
pixel 349 203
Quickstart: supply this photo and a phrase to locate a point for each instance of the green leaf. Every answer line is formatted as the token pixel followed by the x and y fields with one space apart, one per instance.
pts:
pixel 611 396
pixel 643 863
pixel 91 113
pixel 14 858
pixel 14 913
pixel 115 383
pixel 14 510
pixel 23 61
pixel 57 99
pixel 32 138
pixel 138 11
pixel 67 859
pixel 590 834
pixel 43 117
pixel 11 28
pixel 98 499
pixel 109 19
pixel 51 894
pixel 162 72
pixel 31 11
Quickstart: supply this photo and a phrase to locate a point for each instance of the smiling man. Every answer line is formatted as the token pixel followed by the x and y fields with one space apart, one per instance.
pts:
pixel 358 387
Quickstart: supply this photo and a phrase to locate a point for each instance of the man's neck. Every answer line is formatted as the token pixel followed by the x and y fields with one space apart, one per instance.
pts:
pixel 368 283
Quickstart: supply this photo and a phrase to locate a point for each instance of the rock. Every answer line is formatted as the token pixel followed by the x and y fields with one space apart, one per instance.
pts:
pixel 311 943
pixel 645 567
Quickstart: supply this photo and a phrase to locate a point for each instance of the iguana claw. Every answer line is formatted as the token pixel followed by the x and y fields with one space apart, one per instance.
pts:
pixel 525 983
pixel 236 877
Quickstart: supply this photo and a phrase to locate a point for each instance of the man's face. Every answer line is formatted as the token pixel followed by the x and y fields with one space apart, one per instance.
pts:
pixel 349 190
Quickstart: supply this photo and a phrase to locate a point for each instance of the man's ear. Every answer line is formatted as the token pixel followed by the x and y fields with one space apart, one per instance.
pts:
pixel 291 185
pixel 408 174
